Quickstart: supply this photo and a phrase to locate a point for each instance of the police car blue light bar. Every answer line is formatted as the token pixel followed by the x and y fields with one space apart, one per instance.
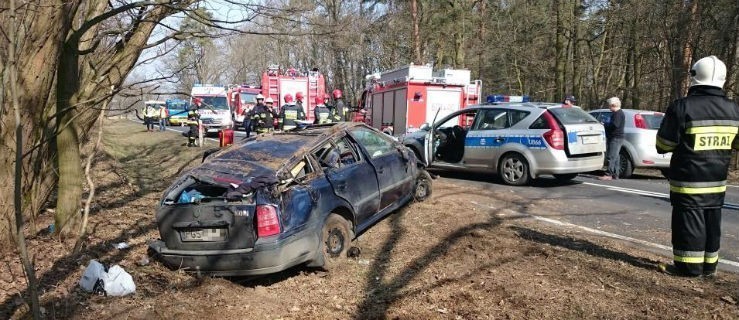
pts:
pixel 493 98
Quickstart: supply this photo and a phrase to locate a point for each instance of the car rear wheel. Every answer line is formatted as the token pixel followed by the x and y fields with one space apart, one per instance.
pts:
pixel 423 186
pixel 514 170
pixel 627 166
pixel 565 177
pixel 336 237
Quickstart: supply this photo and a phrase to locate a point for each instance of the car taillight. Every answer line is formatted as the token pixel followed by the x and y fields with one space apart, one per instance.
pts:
pixel 555 137
pixel 639 121
pixel 267 222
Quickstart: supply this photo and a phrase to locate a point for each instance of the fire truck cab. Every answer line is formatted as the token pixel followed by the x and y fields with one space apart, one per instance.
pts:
pixel 241 99
pixel 401 100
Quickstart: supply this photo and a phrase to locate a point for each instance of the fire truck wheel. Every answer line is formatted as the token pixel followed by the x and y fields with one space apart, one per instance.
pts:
pixel 336 237
pixel 423 186
pixel 514 170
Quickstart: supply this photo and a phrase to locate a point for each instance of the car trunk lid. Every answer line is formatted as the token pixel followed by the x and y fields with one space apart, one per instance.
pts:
pixel 584 134
pixel 213 209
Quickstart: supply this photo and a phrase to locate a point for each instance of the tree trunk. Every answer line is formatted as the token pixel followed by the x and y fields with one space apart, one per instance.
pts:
pixel 28 267
pixel 576 58
pixel 416 34
pixel 69 164
pixel 687 25
pixel 559 60
pixel 37 49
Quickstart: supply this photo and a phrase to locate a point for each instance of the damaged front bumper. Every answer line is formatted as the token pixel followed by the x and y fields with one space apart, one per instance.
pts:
pixel 266 257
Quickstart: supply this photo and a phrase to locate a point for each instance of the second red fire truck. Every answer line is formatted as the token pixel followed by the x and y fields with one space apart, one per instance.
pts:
pixel 401 100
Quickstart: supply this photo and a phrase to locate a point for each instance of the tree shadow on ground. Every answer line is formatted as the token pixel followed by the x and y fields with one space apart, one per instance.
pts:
pixel 381 293
pixel 584 246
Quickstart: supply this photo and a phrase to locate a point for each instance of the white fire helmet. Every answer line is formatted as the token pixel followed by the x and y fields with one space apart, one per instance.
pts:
pixel 709 71
pixel 269 100
pixel 259 96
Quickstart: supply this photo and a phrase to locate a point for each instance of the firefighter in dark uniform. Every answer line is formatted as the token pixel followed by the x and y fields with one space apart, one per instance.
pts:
pixel 340 111
pixel 247 120
pixel 262 117
pixel 321 114
pixel 192 122
pixel 299 100
pixel 700 130
pixel 290 113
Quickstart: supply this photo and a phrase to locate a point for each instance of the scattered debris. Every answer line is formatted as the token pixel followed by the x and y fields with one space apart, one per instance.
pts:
pixel 364 262
pixel 143 261
pixel 121 246
pixel 113 282
pixel 353 252
pixel 728 299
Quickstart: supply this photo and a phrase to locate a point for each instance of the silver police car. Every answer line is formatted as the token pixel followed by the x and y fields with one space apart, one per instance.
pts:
pixel 518 141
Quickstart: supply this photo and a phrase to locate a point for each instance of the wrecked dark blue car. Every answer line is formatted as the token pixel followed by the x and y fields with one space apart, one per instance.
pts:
pixel 280 200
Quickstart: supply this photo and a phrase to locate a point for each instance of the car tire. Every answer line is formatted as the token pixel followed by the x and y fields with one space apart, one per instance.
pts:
pixel 422 190
pixel 336 238
pixel 627 166
pixel 565 176
pixel 514 170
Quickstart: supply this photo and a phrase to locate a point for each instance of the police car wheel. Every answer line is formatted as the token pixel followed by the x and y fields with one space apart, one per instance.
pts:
pixel 514 170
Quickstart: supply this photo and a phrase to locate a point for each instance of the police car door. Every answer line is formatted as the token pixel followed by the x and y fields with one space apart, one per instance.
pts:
pixel 486 137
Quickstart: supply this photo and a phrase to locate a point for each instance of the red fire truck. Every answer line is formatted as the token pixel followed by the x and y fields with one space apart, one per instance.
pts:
pixel 241 98
pixel 401 100
pixel 276 83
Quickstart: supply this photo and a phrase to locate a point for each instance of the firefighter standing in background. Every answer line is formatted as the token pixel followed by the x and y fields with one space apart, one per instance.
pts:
pixel 340 111
pixel 192 122
pixel 247 120
pixel 262 117
pixel 700 130
pixel 299 99
pixel 290 113
pixel 321 114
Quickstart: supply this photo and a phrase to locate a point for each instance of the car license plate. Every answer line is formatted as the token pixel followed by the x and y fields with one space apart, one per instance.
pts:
pixel 203 235
pixel 212 130
pixel 590 139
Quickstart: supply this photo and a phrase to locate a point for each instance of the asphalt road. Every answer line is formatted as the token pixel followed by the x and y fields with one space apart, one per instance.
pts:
pixel 636 210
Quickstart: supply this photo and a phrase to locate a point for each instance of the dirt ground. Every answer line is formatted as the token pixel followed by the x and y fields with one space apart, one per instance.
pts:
pixel 466 253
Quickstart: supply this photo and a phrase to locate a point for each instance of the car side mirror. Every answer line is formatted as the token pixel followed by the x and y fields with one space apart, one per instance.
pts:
pixel 425 126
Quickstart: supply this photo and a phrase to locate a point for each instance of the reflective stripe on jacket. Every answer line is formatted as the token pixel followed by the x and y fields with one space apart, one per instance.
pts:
pixel 700 130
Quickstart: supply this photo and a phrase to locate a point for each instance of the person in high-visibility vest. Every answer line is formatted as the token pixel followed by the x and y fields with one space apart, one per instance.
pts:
pixel 321 114
pixel 700 130
pixel 340 110
pixel 150 115
pixel 289 114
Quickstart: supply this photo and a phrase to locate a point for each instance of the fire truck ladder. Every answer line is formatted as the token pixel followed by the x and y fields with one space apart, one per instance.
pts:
pixel 273 86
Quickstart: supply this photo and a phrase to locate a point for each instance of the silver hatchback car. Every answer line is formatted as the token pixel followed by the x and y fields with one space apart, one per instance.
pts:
pixel 518 141
pixel 640 133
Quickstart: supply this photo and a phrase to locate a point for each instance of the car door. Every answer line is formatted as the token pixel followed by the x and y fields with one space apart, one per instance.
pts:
pixel 391 166
pixel 486 137
pixel 352 177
